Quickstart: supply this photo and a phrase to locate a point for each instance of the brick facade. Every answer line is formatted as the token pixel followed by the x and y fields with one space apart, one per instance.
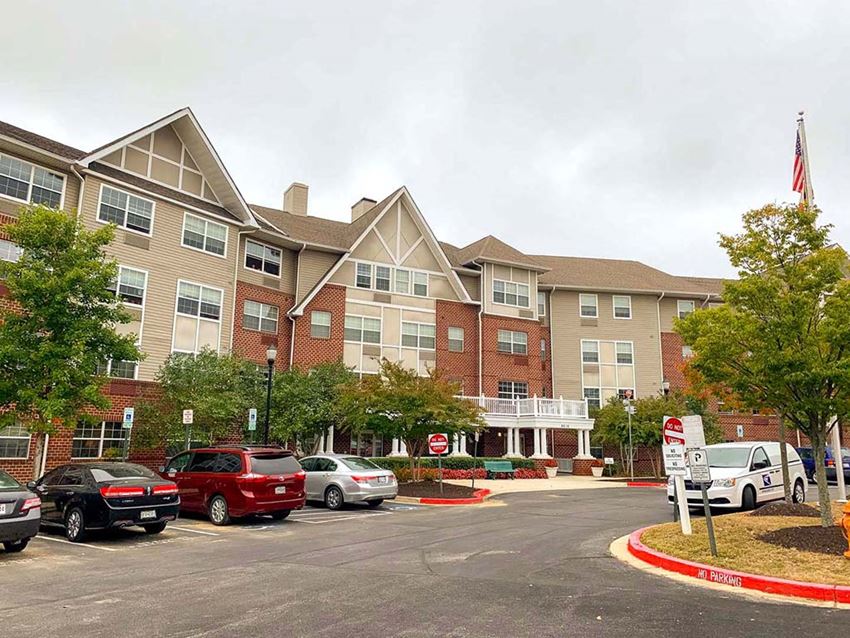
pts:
pixel 460 366
pixel 310 350
pixel 252 344
pixel 499 366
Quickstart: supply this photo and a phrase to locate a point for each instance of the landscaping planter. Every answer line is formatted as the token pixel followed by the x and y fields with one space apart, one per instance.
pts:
pixel 597 471
pixel 551 472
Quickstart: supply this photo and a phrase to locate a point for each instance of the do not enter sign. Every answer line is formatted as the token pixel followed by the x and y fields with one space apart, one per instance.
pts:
pixel 674 432
pixel 438 443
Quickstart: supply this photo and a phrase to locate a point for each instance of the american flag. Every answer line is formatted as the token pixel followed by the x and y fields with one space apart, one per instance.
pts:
pixel 799 181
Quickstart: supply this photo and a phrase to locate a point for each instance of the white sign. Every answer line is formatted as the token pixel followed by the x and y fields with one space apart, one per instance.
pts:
pixel 188 417
pixel 129 413
pixel 252 419
pixel 694 434
pixel 674 459
pixel 609 460
pixel 740 430
pixel 698 463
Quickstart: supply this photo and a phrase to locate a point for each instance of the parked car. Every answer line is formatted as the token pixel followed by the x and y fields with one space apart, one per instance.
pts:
pixel 20 514
pixel 337 479
pixel 808 457
pixel 99 495
pixel 226 482
pixel 746 474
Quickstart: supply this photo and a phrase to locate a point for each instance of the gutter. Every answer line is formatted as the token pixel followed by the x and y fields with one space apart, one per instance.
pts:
pixel 291 317
pixel 660 349
pixel 82 188
pixel 235 278
pixel 483 295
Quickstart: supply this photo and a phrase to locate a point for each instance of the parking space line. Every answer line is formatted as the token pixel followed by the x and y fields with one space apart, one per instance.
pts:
pixel 333 519
pixel 196 531
pixel 62 540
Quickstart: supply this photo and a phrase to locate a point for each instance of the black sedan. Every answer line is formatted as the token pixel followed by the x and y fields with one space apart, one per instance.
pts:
pixel 20 514
pixel 87 496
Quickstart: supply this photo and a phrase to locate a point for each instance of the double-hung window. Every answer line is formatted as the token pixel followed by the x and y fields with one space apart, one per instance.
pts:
pixel 588 306
pixel 320 324
pixel 362 329
pixel 593 398
pixel 29 183
pixel 364 275
pixel 93 441
pixel 624 352
pixel 685 307
pixel 9 251
pixel 402 281
pixel 382 278
pixel 130 286
pixel 622 306
pixel 456 339
pixel 541 304
pixel 590 351
pixel 205 235
pixel 420 284
pixel 419 335
pixel 14 442
pixel 125 210
pixel 512 342
pixel 262 258
pixel 117 369
pixel 260 316
pixel 198 317
pixel 388 279
pixel 513 390
pixel 509 293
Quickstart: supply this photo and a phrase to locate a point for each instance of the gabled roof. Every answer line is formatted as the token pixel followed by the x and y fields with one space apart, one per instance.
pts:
pixel 619 275
pixel 40 142
pixel 494 250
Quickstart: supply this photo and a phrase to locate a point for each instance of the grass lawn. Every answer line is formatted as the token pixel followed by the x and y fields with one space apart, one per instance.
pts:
pixel 740 547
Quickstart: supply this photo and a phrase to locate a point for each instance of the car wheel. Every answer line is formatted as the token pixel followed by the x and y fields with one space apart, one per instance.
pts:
pixel 799 494
pixel 282 514
pixel 75 525
pixel 218 511
pixel 748 498
pixel 334 499
pixel 375 503
pixel 154 528
pixel 16 546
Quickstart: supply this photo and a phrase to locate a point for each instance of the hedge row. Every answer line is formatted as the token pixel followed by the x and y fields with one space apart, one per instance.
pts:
pixel 450 462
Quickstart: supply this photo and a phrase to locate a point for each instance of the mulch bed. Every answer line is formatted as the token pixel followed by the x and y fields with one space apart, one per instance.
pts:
pixel 823 540
pixel 431 489
pixel 783 509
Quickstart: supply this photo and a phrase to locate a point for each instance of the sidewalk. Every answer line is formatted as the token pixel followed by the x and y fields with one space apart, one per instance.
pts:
pixel 565 482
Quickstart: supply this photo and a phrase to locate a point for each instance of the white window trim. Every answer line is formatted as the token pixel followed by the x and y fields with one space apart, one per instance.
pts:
pixel 206 221
pixel 32 175
pixel 135 371
pixel 380 321
pixel 99 440
pixel 245 258
pixel 462 340
pixel 121 268
pixel 679 303
pixel 16 247
pixel 28 437
pixel 539 294
pixel 418 325
pixel 601 387
pixel 329 324
pixel 198 317
pixel 392 291
pixel 596 304
pixel 505 303
pixel 513 343
pixel 513 389
pixel 614 307
pixel 260 318
pixel 124 225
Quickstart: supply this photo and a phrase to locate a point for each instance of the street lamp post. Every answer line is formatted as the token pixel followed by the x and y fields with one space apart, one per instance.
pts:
pixel 271 355
pixel 665 387
pixel 627 402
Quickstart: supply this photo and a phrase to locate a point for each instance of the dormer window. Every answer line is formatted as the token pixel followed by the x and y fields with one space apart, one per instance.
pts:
pixel 509 293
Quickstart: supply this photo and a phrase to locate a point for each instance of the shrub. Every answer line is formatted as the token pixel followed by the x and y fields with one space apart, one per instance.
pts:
pixel 449 462
pixel 550 463
pixel 523 473
pixel 597 463
pixel 480 473
pixel 404 475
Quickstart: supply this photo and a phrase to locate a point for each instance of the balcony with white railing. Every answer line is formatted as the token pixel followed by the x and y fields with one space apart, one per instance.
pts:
pixel 533 412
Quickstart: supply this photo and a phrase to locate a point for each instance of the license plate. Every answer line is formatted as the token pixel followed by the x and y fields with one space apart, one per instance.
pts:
pixel 382 479
pixel 2 509
pixel 147 514
pixel 280 489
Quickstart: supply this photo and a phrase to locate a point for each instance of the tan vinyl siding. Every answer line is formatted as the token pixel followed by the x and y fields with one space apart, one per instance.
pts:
pixel 314 265
pixel 568 330
pixel 9 206
pixel 472 285
pixel 515 275
pixel 166 261
pixel 288 268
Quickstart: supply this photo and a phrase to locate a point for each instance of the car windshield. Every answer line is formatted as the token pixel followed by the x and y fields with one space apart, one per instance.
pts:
pixel 728 456
pixel 269 464
pixel 7 482
pixel 121 472
pixel 359 463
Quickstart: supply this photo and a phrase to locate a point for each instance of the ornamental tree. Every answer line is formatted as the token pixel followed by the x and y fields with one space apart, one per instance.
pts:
pixel 782 338
pixel 399 403
pixel 60 323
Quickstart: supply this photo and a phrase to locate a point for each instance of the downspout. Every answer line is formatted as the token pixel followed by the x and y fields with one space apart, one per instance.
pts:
pixel 483 296
pixel 660 349
pixel 235 276
pixel 707 298
pixel 291 317
pixel 80 195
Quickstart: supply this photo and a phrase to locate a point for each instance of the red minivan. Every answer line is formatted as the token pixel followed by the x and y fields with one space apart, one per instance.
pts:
pixel 229 481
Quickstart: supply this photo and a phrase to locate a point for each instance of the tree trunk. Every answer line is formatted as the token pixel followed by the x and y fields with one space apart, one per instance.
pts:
pixel 783 455
pixel 37 469
pixel 824 500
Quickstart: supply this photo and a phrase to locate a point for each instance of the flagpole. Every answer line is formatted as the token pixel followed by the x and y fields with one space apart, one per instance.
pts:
pixel 809 194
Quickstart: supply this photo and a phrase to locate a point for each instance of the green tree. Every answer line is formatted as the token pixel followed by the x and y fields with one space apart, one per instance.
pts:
pixel 399 403
pixel 612 423
pixel 219 388
pixel 61 325
pixel 305 403
pixel 782 338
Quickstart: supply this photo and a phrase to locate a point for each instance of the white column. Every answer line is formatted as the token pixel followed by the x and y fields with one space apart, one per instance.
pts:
pixel 509 442
pixel 536 453
pixel 455 445
pixel 543 443
pixel 329 445
pixel 320 448
pixel 587 442
pixel 580 436
pixel 394 450
pixel 402 448
pixel 517 444
pixel 463 445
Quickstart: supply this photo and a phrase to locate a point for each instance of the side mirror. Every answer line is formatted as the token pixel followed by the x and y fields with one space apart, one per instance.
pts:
pixel 31 485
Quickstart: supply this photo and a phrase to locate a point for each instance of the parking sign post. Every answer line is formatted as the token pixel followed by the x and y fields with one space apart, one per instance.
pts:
pixel 701 473
pixel 438 444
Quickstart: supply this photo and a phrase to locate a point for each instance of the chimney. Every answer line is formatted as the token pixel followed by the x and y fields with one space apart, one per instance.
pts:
pixel 361 207
pixel 295 199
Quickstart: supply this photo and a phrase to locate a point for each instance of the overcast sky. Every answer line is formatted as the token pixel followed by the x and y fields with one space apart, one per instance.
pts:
pixel 633 130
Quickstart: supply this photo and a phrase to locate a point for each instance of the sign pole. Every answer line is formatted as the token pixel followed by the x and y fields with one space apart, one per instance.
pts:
pixel 440 471
pixel 708 522
pixel 675 503
pixel 474 458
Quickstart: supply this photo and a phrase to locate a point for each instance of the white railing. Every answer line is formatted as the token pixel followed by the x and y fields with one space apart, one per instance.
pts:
pixel 535 406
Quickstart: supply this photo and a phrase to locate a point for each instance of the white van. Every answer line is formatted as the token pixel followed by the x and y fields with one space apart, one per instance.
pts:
pixel 745 475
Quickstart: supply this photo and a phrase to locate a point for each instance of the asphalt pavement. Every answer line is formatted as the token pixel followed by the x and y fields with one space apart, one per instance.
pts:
pixel 522 565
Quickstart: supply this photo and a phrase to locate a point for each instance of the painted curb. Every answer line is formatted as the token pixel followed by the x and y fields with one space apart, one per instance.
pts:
pixel 645 484
pixel 736 580
pixel 479 496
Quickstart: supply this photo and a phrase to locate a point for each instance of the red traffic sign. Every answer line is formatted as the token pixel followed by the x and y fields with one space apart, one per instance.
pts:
pixel 438 443
pixel 673 431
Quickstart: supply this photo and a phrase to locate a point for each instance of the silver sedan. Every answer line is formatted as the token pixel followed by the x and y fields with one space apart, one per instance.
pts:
pixel 337 479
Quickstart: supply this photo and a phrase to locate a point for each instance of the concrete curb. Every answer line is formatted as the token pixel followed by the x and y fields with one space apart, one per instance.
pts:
pixel 478 497
pixel 836 594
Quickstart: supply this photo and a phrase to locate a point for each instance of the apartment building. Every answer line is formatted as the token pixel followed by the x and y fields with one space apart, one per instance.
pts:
pixel 536 340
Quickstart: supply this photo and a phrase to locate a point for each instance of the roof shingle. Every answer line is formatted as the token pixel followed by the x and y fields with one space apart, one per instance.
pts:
pixel 41 142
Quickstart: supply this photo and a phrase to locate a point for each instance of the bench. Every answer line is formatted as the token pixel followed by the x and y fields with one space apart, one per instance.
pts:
pixel 499 467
